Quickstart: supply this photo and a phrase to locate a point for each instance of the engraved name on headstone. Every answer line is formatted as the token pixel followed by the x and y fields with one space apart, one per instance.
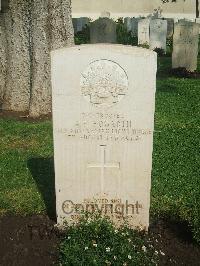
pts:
pixel 185 45
pixel 103 120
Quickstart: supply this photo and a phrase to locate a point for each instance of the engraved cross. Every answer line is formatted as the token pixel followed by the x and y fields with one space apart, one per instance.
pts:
pixel 103 165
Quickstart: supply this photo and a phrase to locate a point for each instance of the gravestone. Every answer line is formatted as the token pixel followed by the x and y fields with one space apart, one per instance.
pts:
pixel 143 32
pixel 103 30
pixel 131 25
pixel 128 24
pixel 170 27
pixel 80 23
pixel 103 119
pixel 158 34
pixel 198 23
pixel 185 45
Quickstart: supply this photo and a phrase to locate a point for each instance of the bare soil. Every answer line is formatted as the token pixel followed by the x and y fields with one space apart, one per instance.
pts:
pixel 34 241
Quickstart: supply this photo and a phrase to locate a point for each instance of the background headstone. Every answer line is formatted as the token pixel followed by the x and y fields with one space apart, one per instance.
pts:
pixel 198 22
pixel 103 117
pixel 170 27
pixel 158 34
pixel 185 45
pixel 80 23
pixel 131 25
pixel 103 30
pixel 143 31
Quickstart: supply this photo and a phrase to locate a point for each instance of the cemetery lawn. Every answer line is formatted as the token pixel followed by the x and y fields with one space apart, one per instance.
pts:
pixel 26 158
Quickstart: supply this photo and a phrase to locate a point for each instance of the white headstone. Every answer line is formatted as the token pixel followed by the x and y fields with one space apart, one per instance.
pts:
pixel 128 24
pixel 185 45
pixel 143 31
pixel 198 22
pixel 103 116
pixel 103 30
pixel 158 34
pixel 131 25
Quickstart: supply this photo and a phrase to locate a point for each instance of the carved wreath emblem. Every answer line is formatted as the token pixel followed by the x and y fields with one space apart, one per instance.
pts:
pixel 104 82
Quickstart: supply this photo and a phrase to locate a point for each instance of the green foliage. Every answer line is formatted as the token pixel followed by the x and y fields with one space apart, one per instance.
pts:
pixel 159 51
pixel 124 37
pixel 95 241
pixel 82 37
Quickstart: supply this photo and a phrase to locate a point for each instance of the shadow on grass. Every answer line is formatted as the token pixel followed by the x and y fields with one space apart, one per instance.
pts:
pixel 42 170
pixel 168 86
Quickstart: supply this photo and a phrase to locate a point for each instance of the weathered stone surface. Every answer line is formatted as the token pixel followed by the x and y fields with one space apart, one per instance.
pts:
pixel 185 45
pixel 158 34
pixel 143 31
pixel 103 112
pixel 103 30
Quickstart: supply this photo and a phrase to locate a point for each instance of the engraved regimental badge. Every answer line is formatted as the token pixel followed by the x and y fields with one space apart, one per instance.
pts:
pixel 104 83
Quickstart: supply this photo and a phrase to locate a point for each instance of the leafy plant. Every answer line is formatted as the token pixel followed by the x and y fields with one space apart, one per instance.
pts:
pixel 95 241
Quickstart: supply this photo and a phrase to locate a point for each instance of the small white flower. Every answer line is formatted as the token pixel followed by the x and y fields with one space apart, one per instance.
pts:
pixel 116 231
pixel 69 237
pixel 89 220
pixel 156 252
pixel 115 257
pixel 144 248
pixel 162 253
pixel 129 257
pixel 86 248
pixel 95 245
pixel 108 249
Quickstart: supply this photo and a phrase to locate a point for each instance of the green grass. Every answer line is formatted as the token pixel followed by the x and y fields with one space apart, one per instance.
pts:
pixel 26 164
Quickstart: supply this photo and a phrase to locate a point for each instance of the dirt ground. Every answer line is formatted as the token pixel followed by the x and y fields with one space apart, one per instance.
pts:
pixel 34 241
pixel 22 116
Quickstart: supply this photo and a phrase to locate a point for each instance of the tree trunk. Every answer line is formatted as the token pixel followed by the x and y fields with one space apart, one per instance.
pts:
pixel 3 58
pixel 17 80
pixel 40 97
pixel 31 29
pixel 51 29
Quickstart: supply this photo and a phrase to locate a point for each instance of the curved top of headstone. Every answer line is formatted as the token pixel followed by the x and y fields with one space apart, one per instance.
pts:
pixel 118 48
